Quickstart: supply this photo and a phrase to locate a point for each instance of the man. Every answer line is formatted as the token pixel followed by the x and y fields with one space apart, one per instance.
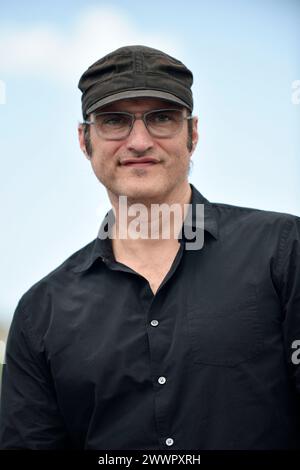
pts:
pixel 141 341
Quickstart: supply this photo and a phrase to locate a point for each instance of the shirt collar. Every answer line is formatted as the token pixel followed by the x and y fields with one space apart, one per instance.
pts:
pixel 210 215
pixel 101 248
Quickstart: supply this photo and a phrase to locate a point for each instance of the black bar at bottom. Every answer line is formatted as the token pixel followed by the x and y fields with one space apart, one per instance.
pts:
pixel 134 459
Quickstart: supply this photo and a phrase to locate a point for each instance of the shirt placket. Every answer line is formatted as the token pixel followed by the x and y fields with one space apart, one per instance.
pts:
pixel 158 332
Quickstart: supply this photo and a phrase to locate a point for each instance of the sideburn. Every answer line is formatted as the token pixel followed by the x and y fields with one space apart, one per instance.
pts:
pixel 87 140
pixel 190 135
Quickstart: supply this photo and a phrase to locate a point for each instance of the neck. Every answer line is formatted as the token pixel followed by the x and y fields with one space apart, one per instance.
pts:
pixel 143 225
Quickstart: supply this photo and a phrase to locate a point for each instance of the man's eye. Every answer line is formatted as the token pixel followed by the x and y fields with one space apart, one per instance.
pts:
pixel 114 121
pixel 162 117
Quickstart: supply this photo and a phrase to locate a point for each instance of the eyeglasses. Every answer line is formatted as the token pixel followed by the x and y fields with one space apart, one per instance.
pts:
pixel 161 123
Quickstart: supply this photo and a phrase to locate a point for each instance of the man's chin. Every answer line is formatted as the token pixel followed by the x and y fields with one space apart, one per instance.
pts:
pixel 142 191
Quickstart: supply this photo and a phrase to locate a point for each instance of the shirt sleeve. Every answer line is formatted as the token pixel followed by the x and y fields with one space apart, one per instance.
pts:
pixel 29 413
pixel 289 291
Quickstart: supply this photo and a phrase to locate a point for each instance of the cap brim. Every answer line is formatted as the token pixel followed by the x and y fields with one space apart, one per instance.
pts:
pixel 136 94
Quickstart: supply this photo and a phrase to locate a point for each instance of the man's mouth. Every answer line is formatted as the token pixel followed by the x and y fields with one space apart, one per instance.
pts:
pixel 139 162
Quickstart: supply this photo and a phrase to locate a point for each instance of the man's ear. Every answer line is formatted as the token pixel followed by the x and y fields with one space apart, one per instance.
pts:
pixel 81 139
pixel 194 134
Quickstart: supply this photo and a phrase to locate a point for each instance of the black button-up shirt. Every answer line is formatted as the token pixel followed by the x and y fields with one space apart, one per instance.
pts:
pixel 95 360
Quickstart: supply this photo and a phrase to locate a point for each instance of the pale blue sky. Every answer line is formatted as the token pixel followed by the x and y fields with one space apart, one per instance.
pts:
pixel 244 56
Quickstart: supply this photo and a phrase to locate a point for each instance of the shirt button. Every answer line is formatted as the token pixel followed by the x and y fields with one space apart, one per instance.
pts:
pixel 162 380
pixel 154 323
pixel 169 441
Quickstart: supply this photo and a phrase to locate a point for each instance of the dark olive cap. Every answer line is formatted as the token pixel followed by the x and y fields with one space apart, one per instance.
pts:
pixel 132 72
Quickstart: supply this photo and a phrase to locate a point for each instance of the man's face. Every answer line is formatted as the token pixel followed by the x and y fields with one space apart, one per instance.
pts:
pixel 119 164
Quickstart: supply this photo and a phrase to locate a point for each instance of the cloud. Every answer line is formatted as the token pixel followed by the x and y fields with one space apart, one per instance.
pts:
pixel 44 51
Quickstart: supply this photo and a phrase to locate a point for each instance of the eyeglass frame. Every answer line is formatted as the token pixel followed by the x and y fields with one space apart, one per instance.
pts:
pixel 134 118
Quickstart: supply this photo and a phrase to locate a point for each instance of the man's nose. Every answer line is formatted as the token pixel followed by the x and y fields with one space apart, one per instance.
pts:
pixel 139 138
